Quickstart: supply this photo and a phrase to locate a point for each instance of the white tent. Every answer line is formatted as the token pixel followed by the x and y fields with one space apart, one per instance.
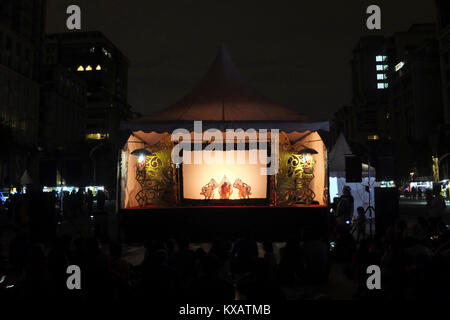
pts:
pixel 25 179
pixel 336 165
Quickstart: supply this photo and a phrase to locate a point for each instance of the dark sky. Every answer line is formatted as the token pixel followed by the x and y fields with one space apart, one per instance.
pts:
pixel 295 52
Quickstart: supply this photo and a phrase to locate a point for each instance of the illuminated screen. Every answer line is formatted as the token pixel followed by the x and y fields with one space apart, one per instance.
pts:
pixel 196 177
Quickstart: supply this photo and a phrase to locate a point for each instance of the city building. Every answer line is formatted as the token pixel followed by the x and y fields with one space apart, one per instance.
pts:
pixel 443 33
pixel 396 106
pixel 62 117
pixel 363 120
pixel 415 100
pixel 104 68
pixel 21 36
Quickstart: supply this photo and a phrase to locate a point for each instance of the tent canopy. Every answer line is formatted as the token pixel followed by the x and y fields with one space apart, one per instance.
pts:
pixel 223 99
pixel 336 159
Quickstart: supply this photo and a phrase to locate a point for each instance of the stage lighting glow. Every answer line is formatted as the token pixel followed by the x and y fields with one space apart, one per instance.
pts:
pixel 197 177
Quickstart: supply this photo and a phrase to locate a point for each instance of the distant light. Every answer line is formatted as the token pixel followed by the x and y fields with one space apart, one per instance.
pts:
pixel 382 85
pixel 98 67
pixel 399 66
pixel 97 136
pixel 347 222
pixel 88 68
pixel 373 137
pixel 80 68
pixel 382 67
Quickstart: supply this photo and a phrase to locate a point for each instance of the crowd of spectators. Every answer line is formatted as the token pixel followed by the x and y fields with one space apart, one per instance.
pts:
pixel 414 262
pixel 414 259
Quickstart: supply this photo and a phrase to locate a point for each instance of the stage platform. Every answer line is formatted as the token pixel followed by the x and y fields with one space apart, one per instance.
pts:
pixel 205 223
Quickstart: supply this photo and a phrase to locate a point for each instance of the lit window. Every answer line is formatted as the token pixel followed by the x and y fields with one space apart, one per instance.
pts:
pixel 97 136
pixel 382 67
pixel 98 67
pixel 88 68
pixel 373 137
pixel 382 85
pixel 399 66
pixel 80 68
pixel 381 76
pixel 380 58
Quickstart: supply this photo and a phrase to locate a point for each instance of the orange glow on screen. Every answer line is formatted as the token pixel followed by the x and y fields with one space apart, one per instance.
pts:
pixel 195 176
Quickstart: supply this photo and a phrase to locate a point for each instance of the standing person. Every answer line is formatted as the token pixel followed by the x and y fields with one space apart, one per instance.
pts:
pixel 79 202
pixel 437 206
pixel 360 225
pixel 101 198
pixel 428 196
pixel 414 191
pixel 345 206
pixel 89 201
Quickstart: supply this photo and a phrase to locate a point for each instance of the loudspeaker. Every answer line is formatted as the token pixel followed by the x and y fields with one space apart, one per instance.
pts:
pixel 353 168
pixel 386 208
pixel 385 168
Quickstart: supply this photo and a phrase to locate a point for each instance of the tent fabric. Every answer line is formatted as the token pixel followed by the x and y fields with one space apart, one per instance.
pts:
pixel 224 95
pixel 26 179
pixel 336 159
pixel 358 190
pixel 138 140
pixel 169 126
pixel 224 100
pixel 336 165
pixel 141 139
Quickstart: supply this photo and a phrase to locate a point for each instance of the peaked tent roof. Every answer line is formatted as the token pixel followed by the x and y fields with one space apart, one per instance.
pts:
pixel 336 159
pixel 224 95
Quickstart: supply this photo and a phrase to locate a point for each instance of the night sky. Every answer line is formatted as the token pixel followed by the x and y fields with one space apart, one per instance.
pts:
pixel 295 52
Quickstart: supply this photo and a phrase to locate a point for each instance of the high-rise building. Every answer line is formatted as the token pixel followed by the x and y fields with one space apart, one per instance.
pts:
pixel 21 35
pixel 62 115
pixel 104 69
pixel 415 101
pixel 443 32
pixel 369 66
pixel 396 107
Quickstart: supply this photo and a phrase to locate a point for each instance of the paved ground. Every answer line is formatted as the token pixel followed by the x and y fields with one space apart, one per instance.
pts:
pixel 411 209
